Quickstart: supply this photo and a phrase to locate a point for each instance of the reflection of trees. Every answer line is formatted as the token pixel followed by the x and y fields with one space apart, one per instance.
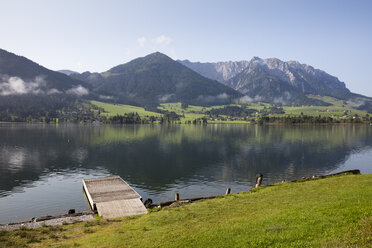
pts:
pixel 29 151
pixel 154 157
pixel 279 152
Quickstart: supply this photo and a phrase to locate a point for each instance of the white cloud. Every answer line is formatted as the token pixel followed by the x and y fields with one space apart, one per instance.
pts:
pixel 53 91
pixel 17 86
pixel 106 97
pixel 141 41
pixel 165 98
pixel 223 96
pixel 247 99
pixel 78 91
pixel 218 98
pixel 162 40
pixel 284 99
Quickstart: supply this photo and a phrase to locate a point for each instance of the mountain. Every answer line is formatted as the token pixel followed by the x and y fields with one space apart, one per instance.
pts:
pixel 95 79
pixel 274 80
pixel 31 91
pixel 157 78
pixel 220 71
pixel 258 85
pixel 20 76
pixel 27 87
pixel 67 72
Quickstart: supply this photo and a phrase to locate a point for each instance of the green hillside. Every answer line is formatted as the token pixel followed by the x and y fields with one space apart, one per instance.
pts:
pixel 191 112
pixel 157 78
pixel 13 65
pixel 121 109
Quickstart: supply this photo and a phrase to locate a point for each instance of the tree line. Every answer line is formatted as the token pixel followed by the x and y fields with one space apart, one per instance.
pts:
pixel 303 119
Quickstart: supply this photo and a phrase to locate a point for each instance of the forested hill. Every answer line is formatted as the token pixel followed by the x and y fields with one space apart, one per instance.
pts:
pixel 157 78
pixel 20 75
pixel 29 91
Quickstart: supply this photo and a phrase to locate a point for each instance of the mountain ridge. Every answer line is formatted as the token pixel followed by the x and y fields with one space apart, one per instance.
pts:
pixel 29 73
pixel 272 78
pixel 29 91
pixel 67 72
pixel 157 78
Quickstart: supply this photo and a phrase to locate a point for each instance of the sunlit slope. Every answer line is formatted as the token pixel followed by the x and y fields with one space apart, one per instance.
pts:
pixel 190 112
pixel 121 109
pixel 332 212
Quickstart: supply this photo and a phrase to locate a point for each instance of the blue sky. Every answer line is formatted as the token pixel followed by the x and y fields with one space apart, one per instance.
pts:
pixel 335 36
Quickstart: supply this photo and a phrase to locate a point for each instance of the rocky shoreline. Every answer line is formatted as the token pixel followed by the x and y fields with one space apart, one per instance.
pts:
pixel 50 221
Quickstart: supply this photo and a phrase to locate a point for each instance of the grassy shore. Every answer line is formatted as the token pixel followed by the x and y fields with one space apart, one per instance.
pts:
pixel 331 212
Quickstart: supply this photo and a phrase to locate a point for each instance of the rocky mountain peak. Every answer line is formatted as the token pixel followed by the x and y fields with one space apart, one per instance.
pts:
pixel 246 76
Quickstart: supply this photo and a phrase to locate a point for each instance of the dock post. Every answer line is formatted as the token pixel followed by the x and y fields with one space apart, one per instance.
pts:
pixel 148 203
pixel 259 180
pixel 228 190
pixel 176 197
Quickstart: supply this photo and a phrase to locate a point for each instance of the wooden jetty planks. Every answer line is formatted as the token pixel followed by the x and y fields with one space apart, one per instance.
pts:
pixel 113 197
pixel 118 208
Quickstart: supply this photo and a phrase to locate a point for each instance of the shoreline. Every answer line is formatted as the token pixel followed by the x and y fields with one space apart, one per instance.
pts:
pixel 49 220
pixel 334 212
pixel 57 220
pixel 201 124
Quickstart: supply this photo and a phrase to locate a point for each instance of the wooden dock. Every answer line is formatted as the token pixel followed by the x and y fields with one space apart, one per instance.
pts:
pixel 112 197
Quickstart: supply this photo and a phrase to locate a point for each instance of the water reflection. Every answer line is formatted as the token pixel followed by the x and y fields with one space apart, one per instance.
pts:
pixel 158 160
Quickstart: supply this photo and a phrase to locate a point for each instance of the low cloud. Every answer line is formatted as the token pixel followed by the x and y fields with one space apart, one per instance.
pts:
pixel 53 91
pixel 284 99
pixel 247 99
pixel 165 98
pixel 223 96
pixel 105 97
pixel 17 86
pixel 218 98
pixel 78 91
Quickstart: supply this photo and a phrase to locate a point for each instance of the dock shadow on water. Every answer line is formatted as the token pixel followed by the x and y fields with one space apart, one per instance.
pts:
pixel 41 166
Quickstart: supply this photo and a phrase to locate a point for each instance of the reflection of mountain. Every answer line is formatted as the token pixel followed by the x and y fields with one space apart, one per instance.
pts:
pixel 157 157
pixel 26 153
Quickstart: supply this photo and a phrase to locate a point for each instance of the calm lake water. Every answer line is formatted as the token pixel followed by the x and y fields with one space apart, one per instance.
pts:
pixel 41 172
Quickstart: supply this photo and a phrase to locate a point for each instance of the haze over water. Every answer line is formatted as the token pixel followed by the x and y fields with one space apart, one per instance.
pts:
pixel 41 166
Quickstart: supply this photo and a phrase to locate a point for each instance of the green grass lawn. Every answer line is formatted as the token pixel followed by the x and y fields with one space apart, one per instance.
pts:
pixel 121 109
pixel 322 111
pixel 194 112
pixel 332 212
pixel 190 113
pixel 331 100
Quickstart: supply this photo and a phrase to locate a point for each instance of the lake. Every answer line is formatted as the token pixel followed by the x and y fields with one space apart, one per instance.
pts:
pixel 41 166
